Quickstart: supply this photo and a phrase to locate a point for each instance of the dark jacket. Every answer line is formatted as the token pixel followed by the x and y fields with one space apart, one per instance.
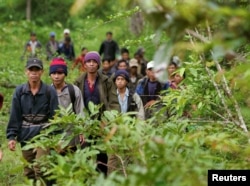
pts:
pixel 132 85
pixel 109 49
pixel 30 113
pixel 142 90
pixel 67 50
pixel 107 92
pixel 51 49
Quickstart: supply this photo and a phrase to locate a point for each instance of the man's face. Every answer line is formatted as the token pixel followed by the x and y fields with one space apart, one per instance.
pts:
pixel 33 38
pixel 171 69
pixel 125 56
pixel 52 38
pixel 109 37
pixel 178 78
pixel 66 34
pixel 84 52
pixel 91 66
pixel 122 66
pixel 57 78
pixel 150 73
pixel 34 74
pixel 105 65
pixel 120 82
pixel 133 70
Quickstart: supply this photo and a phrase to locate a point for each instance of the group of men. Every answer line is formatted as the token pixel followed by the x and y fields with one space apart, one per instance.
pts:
pixel 53 48
pixel 34 103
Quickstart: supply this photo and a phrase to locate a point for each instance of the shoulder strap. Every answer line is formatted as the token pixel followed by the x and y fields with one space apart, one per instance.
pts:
pixel 48 92
pixel 72 96
pixel 131 102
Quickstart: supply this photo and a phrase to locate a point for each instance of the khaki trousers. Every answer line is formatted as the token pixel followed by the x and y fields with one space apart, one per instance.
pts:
pixel 32 171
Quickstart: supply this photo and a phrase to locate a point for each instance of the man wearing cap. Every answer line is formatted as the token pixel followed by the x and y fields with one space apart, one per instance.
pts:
pixel 33 104
pixel 66 33
pixel 133 73
pixel 129 102
pixel 32 47
pixel 149 89
pixel 58 71
pixel 97 88
pixel 52 46
pixel 67 49
pixel 142 62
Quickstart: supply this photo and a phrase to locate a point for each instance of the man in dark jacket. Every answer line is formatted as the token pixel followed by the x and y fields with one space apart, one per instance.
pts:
pixel 52 46
pixel 149 89
pixel 33 104
pixel 109 48
pixel 97 88
pixel 67 49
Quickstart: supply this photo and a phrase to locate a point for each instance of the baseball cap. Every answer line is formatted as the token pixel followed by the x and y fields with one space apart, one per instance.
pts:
pixel 150 65
pixel 66 31
pixel 52 34
pixel 133 63
pixel 32 34
pixel 34 62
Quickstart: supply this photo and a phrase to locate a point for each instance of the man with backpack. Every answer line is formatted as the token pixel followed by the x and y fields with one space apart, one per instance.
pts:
pixel 129 102
pixel 67 94
pixel 66 49
pixel 97 88
pixel 32 47
pixel 33 105
pixel 149 89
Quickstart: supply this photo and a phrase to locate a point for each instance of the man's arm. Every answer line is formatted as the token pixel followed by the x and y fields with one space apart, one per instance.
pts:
pixel 117 50
pixel 79 105
pixel 15 121
pixel 73 52
pixel 53 102
pixel 101 50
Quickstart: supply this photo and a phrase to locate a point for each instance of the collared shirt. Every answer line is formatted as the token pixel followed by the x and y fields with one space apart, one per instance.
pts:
pixel 29 111
pixel 33 47
pixel 123 102
pixel 64 99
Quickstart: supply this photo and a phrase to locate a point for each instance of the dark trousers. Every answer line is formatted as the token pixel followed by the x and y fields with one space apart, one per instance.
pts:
pixel 102 158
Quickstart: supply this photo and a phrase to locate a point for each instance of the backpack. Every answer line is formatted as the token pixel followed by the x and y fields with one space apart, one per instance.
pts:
pixel 132 106
pixel 72 96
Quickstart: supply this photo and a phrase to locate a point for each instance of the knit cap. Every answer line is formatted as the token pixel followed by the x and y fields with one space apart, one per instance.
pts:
pixel 58 65
pixel 94 56
pixel 122 73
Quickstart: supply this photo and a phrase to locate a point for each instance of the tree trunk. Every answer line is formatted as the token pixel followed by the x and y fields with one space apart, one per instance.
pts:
pixel 28 10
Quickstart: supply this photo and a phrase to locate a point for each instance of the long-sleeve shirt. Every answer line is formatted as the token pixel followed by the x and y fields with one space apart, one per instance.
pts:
pixel 109 49
pixel 30 113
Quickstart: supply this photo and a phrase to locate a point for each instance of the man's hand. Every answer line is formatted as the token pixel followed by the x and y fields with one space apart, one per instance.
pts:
pixel 150 103
pixel 81 138
pixel 12 145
